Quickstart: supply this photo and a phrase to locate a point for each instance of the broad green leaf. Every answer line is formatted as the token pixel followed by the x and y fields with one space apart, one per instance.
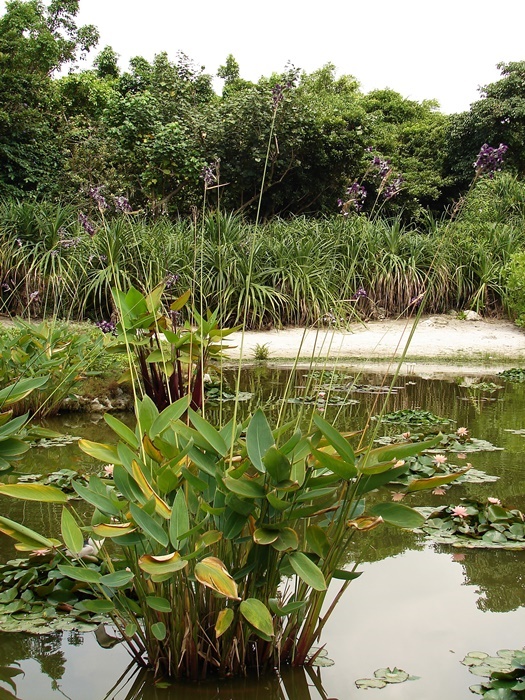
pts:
pixel 159 630
pixel 25 535
pixel 149 525
pixel 244 487
pixel 13 426
pixel 259 439
pixel 80 573
pixel 181 301
pixel 277 466
pixel 433 481
pixel 307 571
pixel 179 521
pixel 98 450
pixel 34 492
pixel 338 466
pixel 224 620
pixel 71 533
pixel 122 430
pixel 344 575
pixel 162 564
pixel 287 609
pixel 170 414
pixel 209 433
pixel 287 540
pixel 258 615
pixel 20 389
pixel 158 603
pixel 398 514
pixel 103 503
pixel 212 573
pixel 101 607
pixel 317 540
pixel 334 437
pixel 393 453
pixel 117 579
pixel 147 413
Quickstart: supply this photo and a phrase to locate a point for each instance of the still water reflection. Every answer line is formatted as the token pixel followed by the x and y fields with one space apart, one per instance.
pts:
pixel 417 606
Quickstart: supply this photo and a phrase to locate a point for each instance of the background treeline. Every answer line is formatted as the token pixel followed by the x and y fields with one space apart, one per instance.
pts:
pixel 148 131
pixel 146 135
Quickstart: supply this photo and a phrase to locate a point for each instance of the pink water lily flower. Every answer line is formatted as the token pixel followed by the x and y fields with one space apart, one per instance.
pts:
pixel 460 511
pixel 108 470
pixel 439 459
pixel 494 501
pixel 462 432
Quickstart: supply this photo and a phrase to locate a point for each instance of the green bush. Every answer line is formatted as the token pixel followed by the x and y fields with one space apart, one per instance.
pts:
pixel 515 287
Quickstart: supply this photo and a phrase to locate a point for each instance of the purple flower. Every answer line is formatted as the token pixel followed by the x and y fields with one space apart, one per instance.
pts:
pixel 394 188
pixel 382 166
pixel 360 294
pixel 170 280
pixel 106 326
pixel 489 159
pixel 96 195
pixel 33 297
pixel 86 224
pixel 208 174
pixel 122 205
pixel 356 195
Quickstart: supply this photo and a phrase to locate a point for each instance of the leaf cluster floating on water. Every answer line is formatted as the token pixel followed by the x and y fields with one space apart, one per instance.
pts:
pixel 384 676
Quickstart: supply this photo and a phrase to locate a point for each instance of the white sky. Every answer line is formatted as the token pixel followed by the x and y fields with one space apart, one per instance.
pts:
pixel 423 49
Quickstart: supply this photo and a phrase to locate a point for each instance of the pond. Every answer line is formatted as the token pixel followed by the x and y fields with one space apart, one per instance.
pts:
pixel 418 606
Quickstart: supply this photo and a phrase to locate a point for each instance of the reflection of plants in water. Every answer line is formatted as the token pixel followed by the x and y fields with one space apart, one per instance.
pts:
pixel 285 684
pixel 498 576
pixel 46 650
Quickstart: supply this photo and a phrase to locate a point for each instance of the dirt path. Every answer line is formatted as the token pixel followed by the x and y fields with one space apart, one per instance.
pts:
pixel 440 345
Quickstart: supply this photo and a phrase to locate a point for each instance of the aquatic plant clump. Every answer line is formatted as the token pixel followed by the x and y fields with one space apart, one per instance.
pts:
pixel 223 542
pixel 506 673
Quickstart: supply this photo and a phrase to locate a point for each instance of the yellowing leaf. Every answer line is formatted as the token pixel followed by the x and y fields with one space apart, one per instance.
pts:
pixel 224 620
pixel 212 573
pixel 163 564
pixel 161 507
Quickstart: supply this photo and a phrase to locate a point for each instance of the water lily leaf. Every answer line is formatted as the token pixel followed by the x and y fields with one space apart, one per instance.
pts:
pixel 162 564
pixel 34 492
pixel 258 615
pixel 224 620
pixel 259 439
pixel 212 573
pixel 395 675
pixel 307 571
pixel 474 658
pixel 398 514
pixel 366 683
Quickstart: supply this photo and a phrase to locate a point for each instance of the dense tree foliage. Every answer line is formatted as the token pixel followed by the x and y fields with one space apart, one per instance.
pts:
pixel 149 132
